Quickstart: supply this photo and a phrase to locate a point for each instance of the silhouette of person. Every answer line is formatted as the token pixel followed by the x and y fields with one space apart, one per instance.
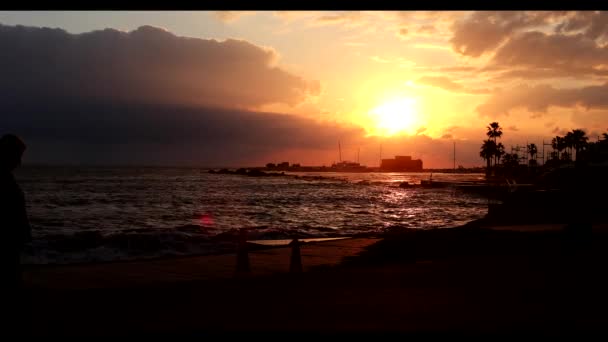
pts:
pixel 15 229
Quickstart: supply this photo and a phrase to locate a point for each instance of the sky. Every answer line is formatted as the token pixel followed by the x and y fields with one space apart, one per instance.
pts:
pixel 248 88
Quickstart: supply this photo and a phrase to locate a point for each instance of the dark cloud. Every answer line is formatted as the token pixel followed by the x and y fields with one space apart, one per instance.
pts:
pixel 513 128
pixel 89 132
pixel 446 136
pixel 145 65
pixel 447 84
pixel 537 99
pixel 403 32
pixel 484 31
pixel 149 97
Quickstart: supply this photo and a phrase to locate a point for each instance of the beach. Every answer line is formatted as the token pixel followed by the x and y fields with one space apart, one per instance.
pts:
pixel 471 280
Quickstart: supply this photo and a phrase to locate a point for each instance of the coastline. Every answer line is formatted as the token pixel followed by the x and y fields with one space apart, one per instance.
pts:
pixel 468 280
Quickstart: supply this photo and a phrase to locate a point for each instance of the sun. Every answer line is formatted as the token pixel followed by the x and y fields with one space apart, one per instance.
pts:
pixel 395 116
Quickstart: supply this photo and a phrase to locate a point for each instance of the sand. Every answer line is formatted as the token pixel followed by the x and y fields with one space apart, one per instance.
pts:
pixel 452 281
pixel 173 270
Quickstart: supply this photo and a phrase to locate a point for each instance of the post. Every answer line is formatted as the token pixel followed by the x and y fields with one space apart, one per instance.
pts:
pixel 295 265
pixel 242 254
pixel 454 156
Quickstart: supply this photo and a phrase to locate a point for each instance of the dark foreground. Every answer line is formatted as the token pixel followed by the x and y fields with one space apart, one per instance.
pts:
pixel 466 281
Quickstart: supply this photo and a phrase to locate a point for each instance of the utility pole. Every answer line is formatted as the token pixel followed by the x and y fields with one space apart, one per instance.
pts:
pixel 547 144
pixel 454 156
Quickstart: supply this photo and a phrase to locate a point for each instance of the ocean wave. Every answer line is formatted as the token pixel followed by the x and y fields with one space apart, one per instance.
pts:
pixel 137 243
pixel 97 214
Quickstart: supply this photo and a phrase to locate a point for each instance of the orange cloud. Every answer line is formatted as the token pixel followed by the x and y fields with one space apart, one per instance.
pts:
pixel 537 99
pixel 447 84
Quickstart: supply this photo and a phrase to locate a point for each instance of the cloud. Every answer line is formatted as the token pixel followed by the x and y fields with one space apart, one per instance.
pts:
pixel 80 131
pixel 447 84
pixel 86 132
pixel 458 68
pixel 559 131
pixel 482 32
pixel 441 82
pixel 593 24
pixel 379 59
pixel 420 130
pixel 556 53
pixel 535 44
pixel 350 19
pixel 426 29
pixel 402 32
pixel 537 99
pixel 148 96
pixel 231 16
pixel 145 65
pixel 446 136
pixel 513 128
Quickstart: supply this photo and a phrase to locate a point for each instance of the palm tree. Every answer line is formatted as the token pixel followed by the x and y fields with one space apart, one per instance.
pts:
pixel 494 131
pixel 558 143
pixel 579 140
pixel 569 142
pixel 510 163
pixel 532 151
pixel 488 151
pixel 510 160
pixel 500 151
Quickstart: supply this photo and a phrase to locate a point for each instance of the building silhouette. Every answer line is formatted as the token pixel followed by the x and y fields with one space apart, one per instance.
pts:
pixel 401 163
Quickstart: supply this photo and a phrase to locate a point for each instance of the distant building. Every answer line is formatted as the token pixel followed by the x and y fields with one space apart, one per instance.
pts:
pixel 401 163
pixel 283 165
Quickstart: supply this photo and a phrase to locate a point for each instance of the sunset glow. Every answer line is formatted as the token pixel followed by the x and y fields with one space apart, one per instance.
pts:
pixel 294 83
pixel 395 116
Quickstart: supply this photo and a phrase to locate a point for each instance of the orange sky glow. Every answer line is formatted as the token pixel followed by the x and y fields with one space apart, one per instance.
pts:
pixel 413 82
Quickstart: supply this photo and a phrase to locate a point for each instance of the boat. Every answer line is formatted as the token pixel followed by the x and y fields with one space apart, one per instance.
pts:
pixel 347 166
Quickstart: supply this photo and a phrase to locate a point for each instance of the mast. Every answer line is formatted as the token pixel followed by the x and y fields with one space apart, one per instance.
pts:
pixel 380 161
pixel 339 151
pixel 454 156
pixel 543 151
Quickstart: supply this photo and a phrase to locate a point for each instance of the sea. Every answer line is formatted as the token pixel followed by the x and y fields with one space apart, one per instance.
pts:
pixel 97 214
